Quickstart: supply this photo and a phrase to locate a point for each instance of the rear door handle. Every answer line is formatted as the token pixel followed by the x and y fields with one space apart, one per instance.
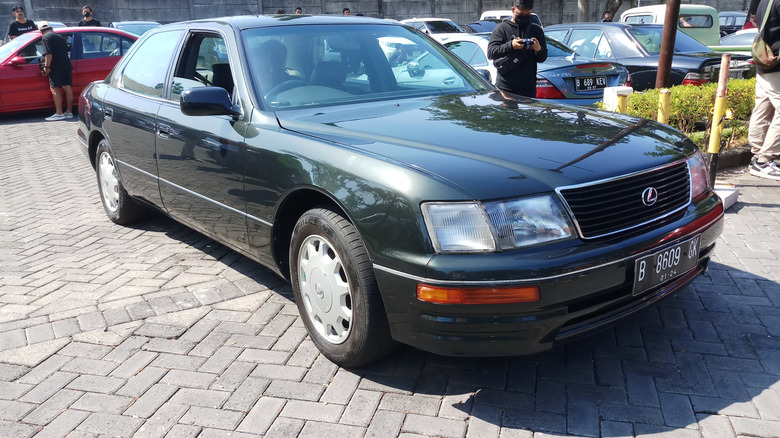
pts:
pixel 108 113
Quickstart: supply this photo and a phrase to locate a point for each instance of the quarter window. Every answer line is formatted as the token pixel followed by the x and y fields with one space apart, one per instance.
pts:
pixel 145 72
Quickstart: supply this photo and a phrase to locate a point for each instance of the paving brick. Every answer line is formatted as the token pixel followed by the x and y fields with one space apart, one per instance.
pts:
pixel 641 391
pixel 182 431
pixel 49 387
pixel 141 382
pixel 13 339
pixel 178 362
pixel 39 333
pixel 385 423
pixel 305 410
pixel 484 422
pixel 90 366
pixel 406 403
pixel 86 351
pixel 17 430
pixel 201 397
pixel 341 388
pixel 53 407
pixel 264 356
pixel 213 418
pixel 126 349
pixel 112 425
pixel 536 421
pixel 245 396
pixel 233 376
pixel 10 372
pixel 45 369
pixel 315 429
pixel 715 426
pixel 285 427
pixel 221 359
pixel 105 385
pixel 425 425
pixel 163 421
pixel 14 410
pixel 169 346
pixel 188 379
pixel 210 344
pixel 262 415
pixel 361 408
pixel 295 390
pixel 132 365
pixel 13 390
pixel 279 372
pixel 152 399
pixel 63 425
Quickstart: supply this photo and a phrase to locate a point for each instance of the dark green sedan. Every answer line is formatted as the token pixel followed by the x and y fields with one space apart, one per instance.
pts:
pixel 406 202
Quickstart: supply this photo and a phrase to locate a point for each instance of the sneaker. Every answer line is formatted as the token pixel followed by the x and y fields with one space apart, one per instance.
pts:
pixel 54 117
pixel 765 170
pixel 68 115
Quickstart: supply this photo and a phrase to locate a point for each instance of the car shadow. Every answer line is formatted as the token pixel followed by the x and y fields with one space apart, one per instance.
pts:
pixel 711 350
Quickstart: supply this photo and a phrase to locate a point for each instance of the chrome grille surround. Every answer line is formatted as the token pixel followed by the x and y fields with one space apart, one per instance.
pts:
pixel 612 206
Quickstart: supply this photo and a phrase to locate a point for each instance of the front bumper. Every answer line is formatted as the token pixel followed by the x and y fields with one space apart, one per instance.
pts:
pixel 577 299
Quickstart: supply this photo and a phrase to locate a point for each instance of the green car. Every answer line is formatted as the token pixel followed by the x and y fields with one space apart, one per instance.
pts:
pixel 409 203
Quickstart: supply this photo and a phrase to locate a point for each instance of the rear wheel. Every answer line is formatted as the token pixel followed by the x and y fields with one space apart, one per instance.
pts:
pixel 335 290
pixel 119 206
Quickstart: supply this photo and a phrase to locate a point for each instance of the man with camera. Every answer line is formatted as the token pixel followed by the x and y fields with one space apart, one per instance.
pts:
pixel 515 47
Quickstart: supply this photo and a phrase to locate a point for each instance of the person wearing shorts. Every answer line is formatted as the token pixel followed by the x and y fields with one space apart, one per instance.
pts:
pixel 58 68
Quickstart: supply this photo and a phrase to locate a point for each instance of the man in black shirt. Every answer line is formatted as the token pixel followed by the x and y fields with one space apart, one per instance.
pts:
pixel 88 20
pixel 20 25
pixel 515 47
pixel 57 67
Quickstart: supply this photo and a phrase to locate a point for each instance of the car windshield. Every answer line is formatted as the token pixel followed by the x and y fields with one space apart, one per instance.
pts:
pixel 650 39
pixel 303 66
pixel 443 27
pixel 15 44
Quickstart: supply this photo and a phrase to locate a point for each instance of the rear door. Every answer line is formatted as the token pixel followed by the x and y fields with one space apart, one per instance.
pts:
pixel 94 54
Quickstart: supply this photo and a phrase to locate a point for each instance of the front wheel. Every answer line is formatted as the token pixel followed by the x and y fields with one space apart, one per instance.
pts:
pixel 119 206
pixel 335 290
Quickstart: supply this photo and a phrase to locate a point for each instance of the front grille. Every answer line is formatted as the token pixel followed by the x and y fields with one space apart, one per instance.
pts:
pixel 615 206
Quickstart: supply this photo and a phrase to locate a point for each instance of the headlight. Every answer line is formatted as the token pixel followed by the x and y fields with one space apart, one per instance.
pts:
pixel 494 226
pixel 700 177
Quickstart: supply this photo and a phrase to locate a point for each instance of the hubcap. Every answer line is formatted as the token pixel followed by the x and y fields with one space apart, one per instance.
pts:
pixel 324 289
pixel 109 184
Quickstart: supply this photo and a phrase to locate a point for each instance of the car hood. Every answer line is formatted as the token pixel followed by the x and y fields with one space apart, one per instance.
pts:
pixel 492 147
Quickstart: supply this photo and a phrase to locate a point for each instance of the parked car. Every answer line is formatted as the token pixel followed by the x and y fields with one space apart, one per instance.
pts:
pixel 437 213
pixel 93 52
pixel 731 21
pixel 737 43
pixel 564 76
pixel 135 27
pixel 700 22
pixel 440 29
pixel 638 46
pixel 506 14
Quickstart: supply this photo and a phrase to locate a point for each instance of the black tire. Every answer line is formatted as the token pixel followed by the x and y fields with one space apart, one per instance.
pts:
pixel 119 206
pixel 340 305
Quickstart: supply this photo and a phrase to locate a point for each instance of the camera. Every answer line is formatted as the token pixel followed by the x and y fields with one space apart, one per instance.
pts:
pixel 528 43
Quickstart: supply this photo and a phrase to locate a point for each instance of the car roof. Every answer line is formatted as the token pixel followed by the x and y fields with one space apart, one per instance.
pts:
pixel 135 22
pixel 614 24
pixel 687 8
pixel 86 29
pixel 425 19
pixel 250 21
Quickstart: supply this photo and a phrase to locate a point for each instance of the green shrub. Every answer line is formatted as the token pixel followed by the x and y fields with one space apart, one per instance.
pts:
pixel 692 108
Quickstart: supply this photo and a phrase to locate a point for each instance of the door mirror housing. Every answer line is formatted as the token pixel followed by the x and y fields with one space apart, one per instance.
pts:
pixel 208 101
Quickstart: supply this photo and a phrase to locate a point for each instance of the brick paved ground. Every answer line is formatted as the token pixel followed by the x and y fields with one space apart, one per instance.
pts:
pixel 157 331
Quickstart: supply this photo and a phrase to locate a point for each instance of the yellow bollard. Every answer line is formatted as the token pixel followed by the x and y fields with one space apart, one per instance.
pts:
pixel 664 106
pixel 718 117
pixel 622 103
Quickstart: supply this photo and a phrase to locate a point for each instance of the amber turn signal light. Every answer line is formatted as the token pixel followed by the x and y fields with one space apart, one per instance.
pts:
pixel 489 295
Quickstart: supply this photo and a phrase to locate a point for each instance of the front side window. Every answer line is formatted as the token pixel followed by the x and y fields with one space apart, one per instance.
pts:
pixel 204 63
pixel 145 71
pixel 299 66
pixel 650 39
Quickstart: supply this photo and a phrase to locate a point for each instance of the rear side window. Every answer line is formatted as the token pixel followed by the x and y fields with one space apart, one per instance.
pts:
pixel 589 43
pixel 640 19
pixel 102 45
pixel 145 72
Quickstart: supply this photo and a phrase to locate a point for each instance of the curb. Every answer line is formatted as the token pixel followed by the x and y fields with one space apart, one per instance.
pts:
pixel 734 157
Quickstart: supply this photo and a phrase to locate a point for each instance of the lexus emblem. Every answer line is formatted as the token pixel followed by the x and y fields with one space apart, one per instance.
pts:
pixel 649 196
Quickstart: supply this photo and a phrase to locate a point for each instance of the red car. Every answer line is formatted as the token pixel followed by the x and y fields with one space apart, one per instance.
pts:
pixel 93 52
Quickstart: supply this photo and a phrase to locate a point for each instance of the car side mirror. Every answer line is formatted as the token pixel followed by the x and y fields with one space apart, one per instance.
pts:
pixel 208 101
pixel 17 60
pixel 485 75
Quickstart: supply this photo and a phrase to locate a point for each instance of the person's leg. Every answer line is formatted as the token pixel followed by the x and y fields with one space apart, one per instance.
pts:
pixel 57 93
pixel 69 99
pixel 770 150
pixel 762 115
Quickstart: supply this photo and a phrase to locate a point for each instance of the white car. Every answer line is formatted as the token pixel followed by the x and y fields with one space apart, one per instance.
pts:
pixel 440 29
pixel 506 15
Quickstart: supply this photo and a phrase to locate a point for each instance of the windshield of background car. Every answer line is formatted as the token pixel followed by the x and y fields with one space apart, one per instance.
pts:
pixel 650 39
pixel 303 66
pixel 443 27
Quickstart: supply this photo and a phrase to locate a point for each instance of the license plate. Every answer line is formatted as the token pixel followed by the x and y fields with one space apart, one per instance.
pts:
pixel 664 265
pixel 590 83
pixel 736 74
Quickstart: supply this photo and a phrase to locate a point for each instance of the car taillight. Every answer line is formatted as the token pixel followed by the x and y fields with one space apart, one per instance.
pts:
pixel 546 90
pixel 628 80
pixel 694 79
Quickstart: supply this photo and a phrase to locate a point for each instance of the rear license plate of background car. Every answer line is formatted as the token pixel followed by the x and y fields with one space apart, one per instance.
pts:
pixel 588 83
pixel 664 265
